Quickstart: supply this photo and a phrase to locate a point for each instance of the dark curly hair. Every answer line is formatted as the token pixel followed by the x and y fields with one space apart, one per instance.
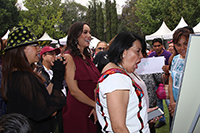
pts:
pixel 74 33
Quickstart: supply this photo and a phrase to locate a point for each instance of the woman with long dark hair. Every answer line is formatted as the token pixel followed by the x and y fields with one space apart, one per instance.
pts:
pixel 23 89
pixel 81 77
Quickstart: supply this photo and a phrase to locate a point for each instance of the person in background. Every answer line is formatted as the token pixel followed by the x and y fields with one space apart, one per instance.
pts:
pixel 160 51
pixel 62 47
pixel 24 89
pixel 47 57
pixel 15 123
pixel 121 104
pixel 101 59
pixel 150 51
pixel 101 46
pixel 170 47
pixel 81 77
pixel 150 83
pixel 180 40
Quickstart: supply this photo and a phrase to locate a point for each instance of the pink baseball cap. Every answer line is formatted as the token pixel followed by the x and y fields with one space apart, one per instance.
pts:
pixel 48 49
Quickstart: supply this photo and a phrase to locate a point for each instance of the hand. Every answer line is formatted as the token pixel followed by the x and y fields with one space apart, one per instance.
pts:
pixel 38 69
pixel 93 112
pixel 165 68
pixel 155 119
pixel 58 68
pixel 172 106
pixel 54 113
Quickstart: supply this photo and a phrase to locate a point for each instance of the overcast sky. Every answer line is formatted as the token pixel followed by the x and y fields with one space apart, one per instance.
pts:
pixel 86 3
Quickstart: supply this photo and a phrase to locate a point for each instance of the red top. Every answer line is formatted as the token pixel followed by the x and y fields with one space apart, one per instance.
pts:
pixel 75 113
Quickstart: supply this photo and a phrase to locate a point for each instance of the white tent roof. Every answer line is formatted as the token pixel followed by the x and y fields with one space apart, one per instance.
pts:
pixel 63 41
pixel 93 42
pixel 47 37
pixel 20 5
pixel 181 24
pixel 6 35
pixel 197 28
pixel 163 30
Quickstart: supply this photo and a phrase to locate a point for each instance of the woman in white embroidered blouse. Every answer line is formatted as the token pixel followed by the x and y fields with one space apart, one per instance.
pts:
pixel 121 106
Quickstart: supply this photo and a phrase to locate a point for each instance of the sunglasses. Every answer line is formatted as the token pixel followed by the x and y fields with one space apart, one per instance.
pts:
pixel 156 46
pixel 101 48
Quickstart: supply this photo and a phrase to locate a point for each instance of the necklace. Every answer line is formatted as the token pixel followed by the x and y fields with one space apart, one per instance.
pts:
pixel 122 67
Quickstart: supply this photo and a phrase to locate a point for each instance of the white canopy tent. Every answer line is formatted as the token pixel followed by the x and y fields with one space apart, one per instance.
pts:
pixel 93 43
pixel 197 29
pixel 63 41
pixel 6 35
pixel 47 37
pixel 20 5
pixel 163 30
pixel 181 24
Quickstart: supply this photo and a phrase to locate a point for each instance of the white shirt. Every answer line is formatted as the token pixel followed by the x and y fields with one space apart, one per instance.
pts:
pixel 115 82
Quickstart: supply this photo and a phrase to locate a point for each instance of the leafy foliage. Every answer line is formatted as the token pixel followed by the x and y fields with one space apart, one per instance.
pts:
pixel 114 20
pixel 128 19
pixel 100 22
pixel 9 15
pixel 43 15
pixel 111 20
pixel 146 16
pixel 72 12
pixel 152 13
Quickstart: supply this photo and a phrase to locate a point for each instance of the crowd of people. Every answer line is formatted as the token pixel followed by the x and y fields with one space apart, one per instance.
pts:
pixel 74 89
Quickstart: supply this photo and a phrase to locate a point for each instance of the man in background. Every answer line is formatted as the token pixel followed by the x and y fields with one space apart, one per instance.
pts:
pixel 160 51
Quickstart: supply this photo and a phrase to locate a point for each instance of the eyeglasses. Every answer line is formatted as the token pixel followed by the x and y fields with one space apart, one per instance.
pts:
pixel 101 48
pixel 35 45
pixel 156 46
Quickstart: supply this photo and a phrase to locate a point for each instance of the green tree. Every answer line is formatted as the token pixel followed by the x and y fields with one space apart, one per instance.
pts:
pixel 189 10
pixel 9 15
pixel 100 22
pixel 111 20
pixel 93 17
pixel 43 16
pixel 88 17
pixel 152 13
pixel 128 18
pixel 108 20
pixel 114 19
pixel 72 12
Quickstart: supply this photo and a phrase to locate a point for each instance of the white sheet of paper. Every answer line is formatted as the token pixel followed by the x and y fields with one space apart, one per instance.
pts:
pixel 151 65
